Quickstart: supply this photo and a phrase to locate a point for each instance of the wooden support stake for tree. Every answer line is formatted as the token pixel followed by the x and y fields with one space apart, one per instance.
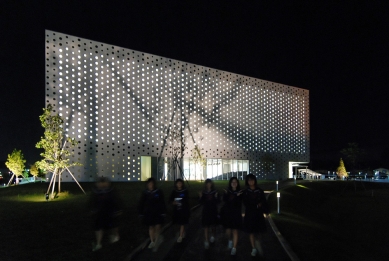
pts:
pixel 76 181
pixel 13 174
pixel 52 191
pixel 62 170
pixel 51 181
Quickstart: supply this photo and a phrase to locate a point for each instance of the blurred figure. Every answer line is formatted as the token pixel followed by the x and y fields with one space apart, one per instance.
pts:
pixel 181 212
pixel 209 200
pixel 231 212
pixel 106 207
pixel 152 209
pixel 256 207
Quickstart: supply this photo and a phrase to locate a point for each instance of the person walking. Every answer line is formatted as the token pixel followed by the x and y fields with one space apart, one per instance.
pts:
pixel 152 210
pixel 209 200
pixel 256 208
pixel 231 212
pixel 181 212
pixel 106 208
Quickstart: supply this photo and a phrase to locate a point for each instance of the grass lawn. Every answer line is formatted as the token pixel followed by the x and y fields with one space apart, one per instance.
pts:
pixel 61 229
pixel 335 220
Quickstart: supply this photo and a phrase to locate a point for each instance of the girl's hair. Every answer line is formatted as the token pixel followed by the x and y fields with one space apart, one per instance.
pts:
pixel 229 183
pixel 251 177
pixel 209 181
pixel 152 180
pixel 179 180
pixel 103 183
pixel 103 180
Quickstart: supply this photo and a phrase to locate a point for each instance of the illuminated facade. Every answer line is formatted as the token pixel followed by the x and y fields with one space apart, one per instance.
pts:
pixel 121 105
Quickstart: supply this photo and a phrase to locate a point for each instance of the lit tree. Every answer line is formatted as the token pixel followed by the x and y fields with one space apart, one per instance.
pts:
pixel 341 170
pixel 57 149
pixel 34 171
pixel 25 174
pixel 15 163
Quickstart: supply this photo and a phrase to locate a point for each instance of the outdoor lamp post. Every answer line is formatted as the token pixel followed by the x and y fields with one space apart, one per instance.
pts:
pixel 278 202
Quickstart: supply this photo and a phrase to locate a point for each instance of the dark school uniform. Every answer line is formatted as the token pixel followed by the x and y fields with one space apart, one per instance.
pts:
pixel 231 212
pixel 181 210
pixel 256 205
pixel 106 207
pixel 209 201
pixel 152 207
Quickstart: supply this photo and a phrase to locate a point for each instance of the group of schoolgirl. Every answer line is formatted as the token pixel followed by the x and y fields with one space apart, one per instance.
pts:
pixel 256 207
pixel 152 209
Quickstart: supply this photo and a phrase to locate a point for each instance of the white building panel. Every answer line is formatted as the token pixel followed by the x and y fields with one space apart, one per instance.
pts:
pixel 120 104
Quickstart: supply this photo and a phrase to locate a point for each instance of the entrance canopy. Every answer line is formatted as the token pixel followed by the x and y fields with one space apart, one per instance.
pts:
pixel 294 166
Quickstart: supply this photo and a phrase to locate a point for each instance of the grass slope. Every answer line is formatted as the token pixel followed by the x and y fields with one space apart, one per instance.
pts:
pixel 61 229
pixel 335 220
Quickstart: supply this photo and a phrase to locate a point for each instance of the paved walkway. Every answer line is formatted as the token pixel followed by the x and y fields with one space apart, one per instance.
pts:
pixel 192 247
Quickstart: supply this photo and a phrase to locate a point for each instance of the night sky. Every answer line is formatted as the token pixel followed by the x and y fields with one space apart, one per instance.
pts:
pixel 339 52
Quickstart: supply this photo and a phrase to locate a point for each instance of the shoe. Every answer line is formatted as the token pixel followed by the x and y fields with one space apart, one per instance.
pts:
pixel 158 242
pixel 97 247
pixel 212 239
pixel 233 251
pixel 254 252
pixel 206 245
pixel 179 240
pixel 229 244
pixel 151 245
pixel 114 239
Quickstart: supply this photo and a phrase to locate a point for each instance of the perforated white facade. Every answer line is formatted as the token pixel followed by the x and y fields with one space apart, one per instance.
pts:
pixel 120 105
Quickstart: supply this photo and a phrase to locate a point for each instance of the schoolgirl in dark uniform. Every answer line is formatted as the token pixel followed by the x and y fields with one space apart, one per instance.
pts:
pixel 256 206
pixel 152 209
pixel 231 212
pixel 209 200
pixel 107 208
pixel 180 200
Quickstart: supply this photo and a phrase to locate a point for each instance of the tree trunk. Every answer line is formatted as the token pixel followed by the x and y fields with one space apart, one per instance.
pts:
pixel 52 190
pixel 59 182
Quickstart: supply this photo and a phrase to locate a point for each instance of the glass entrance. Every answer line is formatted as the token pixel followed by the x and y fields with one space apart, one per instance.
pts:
pixel 217 169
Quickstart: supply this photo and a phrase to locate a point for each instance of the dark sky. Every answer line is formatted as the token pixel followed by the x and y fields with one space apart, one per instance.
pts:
pixel 339 52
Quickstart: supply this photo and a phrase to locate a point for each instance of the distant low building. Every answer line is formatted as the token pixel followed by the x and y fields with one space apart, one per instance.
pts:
pixel 381 170
pixel 381 173
pixel 310 174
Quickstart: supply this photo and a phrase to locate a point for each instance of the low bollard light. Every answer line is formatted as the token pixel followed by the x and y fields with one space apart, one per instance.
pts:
pixel 278 202
pixel 277 185
pixel 47 197
pixel 295 178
